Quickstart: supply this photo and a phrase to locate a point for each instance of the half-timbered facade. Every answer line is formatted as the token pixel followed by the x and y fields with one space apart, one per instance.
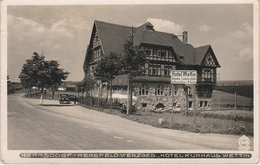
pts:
pixel 165 52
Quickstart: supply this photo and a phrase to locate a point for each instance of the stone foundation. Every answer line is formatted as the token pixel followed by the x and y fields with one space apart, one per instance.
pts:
pixel 169 98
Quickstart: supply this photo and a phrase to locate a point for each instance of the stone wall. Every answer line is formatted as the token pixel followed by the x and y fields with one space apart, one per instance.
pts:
pixel 168 99
pixel 148 102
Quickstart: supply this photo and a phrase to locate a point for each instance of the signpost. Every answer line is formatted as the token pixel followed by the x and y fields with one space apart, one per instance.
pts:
pixel 186 77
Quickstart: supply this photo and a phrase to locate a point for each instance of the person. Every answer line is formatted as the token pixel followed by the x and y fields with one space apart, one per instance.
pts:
pixel 75 100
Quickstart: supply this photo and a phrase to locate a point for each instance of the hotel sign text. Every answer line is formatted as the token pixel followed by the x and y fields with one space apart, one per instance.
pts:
pixel 184 77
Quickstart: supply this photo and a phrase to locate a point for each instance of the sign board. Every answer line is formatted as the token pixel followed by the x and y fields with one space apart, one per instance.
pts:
pixel 184 77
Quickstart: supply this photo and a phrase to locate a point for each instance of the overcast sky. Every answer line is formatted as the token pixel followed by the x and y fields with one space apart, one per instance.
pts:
pixel 63 32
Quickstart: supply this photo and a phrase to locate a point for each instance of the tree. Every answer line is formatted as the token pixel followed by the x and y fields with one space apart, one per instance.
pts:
pixel 38 72
pixel 86 84
pixel 30 75
pixel 55 75
pixel 133 61
pixel 107 69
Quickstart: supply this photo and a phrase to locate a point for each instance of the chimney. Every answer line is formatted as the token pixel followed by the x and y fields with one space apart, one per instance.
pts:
pixel 185 37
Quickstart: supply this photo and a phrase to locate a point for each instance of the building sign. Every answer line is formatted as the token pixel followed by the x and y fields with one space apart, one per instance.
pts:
pixel 184 77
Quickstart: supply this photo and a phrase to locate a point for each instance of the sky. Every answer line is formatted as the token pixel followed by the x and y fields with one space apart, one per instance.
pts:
pixel 63 32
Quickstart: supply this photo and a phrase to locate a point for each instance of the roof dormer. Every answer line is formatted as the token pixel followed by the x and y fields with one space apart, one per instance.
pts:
pixel 149 26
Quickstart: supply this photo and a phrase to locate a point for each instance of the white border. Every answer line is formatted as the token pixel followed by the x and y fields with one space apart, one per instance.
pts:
pixel 12 156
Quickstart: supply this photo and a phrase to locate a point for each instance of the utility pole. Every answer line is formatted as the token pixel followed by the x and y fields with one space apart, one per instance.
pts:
pixel 128 96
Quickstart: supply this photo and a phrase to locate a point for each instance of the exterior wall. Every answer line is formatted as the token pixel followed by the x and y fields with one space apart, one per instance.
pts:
pixel 178 99
pixel 151 100
pixel 171 97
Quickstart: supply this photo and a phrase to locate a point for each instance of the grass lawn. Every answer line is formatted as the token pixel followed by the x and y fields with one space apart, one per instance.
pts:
pixel 209 124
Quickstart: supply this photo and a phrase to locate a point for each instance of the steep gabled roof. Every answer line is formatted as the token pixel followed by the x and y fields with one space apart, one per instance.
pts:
pixel 113 37
pixel 200 53
pixel 180 48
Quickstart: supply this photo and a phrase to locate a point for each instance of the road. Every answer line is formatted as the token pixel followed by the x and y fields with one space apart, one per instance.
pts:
pixel 51 126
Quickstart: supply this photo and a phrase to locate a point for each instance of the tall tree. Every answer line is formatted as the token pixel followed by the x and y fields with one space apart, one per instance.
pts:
pixel 133 62
pixel 107 69
pixel 55 75
pixel 38 72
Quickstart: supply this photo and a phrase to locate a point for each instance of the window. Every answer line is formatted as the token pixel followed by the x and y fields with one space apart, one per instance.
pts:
pixel 170 54
pixel 207 75
pixel 167 54
pixel 159 53
pixel 96 54
pixel 144 105
pixel 146 66
pixel 155 53
pixel 190 104
pixel 143 90
pixel 158 70
pixel 175 89
pixel 149 51
pixel 154 71
pixel 150 70
pixel 163 53
pixel 201 103
pixel 159 90
pixel 206 103
pixel 165 72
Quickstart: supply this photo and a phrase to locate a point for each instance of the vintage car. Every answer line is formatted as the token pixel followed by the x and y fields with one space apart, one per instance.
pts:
pixel 73 98
pixel 64 99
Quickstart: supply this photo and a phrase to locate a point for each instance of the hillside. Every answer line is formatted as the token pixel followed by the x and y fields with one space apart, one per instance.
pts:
pixel 243 88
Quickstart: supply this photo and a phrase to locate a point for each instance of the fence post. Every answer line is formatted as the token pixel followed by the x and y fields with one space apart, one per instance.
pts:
pixel 244 103
pixel 204 108
pixel 194 102
pixel 235 106
pixel 219 102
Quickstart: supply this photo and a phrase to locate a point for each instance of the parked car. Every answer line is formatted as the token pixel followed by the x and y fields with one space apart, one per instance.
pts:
pixel 64 99
pixel 73 98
